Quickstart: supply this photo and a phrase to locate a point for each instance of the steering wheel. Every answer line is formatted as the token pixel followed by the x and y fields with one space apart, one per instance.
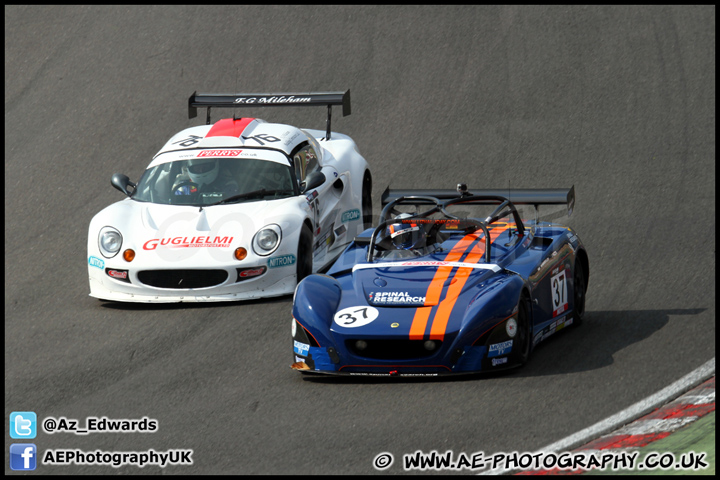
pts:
pixel 185 189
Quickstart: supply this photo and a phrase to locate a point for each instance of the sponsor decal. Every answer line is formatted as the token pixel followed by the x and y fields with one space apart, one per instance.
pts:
pixel 556 325
pixel 350 215
pixel 498 349
pixel 289 140
pixel 352 317
pixel 301 348
pixel 245 273
pixel 311 196
pixel 498 361
pixel 482 266
pixel 219 153
pixel 340 231
pixel 281 261
pixel 121 275
pixel 431 220
pixel 324 240
pixel 395 298
pixel 117 273
pixel 561 323
pixel 511 327
pixel 412 228
pixel 96 262
pixel 394 325
pixel 271 100
pixel 188 242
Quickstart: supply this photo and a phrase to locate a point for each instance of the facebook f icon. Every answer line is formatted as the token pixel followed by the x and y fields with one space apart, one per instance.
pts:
pixel 23 425
pixel 23 456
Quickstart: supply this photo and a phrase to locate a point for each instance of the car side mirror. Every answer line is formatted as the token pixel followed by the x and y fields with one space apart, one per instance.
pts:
pixel 314 180
pixel 121 182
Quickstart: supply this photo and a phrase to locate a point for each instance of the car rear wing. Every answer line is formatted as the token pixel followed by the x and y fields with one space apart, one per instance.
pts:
pixel 518 196
pixel 233 100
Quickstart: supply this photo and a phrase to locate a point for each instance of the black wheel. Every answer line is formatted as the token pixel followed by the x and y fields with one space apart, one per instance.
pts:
pixel 367 201
pixel 524 333
pixel 305 259
pixel 579 288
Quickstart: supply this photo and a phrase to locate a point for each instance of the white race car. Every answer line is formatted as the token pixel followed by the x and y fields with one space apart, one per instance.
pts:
pixel 234 210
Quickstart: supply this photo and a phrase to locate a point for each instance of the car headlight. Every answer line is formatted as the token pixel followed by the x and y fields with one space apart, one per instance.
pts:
pixel 267 240
pixel 109 241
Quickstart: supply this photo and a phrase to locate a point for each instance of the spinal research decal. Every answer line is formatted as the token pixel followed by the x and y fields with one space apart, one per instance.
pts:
pixel 395 298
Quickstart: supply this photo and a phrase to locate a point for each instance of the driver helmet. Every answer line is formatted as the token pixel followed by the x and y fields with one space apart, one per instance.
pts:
pixel 203 171
pixel 406 235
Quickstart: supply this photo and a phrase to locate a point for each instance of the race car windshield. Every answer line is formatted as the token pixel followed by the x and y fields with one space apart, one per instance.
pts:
pixel 214 181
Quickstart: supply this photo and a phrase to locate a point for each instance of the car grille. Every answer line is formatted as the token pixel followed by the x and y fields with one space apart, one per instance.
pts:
pixel 182 279
pixel 392 349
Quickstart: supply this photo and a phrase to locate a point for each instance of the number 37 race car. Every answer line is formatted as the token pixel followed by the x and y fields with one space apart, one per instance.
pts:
pixel 232 210
pixel 436 291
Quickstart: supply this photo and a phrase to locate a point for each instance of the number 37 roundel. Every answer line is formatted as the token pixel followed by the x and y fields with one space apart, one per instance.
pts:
pixel 352 317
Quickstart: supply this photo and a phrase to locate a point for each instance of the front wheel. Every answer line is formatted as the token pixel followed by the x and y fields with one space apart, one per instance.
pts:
pixel 304 253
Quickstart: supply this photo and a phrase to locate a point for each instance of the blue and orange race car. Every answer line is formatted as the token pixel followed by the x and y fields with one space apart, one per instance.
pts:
pixel 435 291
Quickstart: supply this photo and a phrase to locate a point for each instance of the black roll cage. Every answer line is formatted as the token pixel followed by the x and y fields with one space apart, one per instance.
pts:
pixel 467 224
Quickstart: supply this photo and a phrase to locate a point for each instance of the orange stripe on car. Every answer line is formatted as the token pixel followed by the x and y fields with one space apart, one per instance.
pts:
pixel 439 324
pixel 432 297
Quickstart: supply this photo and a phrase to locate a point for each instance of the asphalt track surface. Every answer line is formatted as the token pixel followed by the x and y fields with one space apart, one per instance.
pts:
pixel 618 101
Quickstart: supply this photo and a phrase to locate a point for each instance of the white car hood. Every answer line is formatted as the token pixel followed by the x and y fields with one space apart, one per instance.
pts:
pixel 177 232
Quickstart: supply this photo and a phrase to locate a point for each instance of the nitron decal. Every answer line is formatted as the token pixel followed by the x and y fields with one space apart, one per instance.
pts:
pixel 96 262
pixel 350 215
pixel 281 261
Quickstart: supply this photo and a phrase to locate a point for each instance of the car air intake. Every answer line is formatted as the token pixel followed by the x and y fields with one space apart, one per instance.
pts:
pixel 182 279
pixel 393 349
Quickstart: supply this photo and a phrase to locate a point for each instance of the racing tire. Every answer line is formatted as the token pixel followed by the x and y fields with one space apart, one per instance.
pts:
pixel 579 289
pixel 367 200
pixel 524 335
pixel 304 253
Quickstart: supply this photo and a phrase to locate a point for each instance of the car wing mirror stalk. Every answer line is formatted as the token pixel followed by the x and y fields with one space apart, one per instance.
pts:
pixel 122 182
